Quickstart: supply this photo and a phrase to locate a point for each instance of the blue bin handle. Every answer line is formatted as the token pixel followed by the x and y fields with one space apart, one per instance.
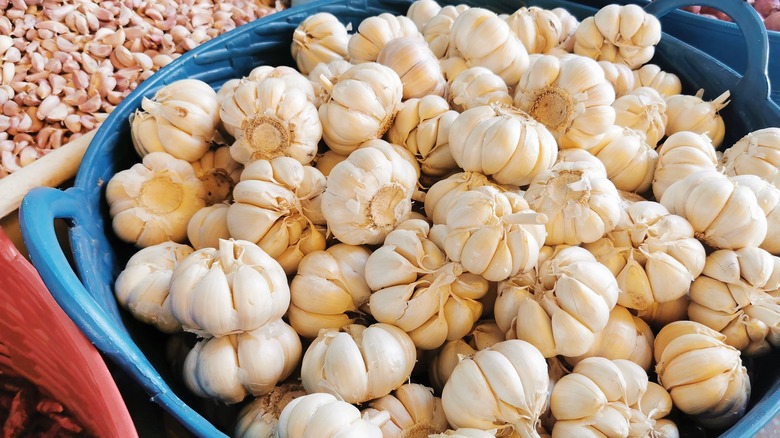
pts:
pixel 755 81
pixel 40 208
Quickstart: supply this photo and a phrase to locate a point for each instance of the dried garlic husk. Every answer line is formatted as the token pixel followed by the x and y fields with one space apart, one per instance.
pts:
pixel 153 201
pixel 219 173
pixel 228 368
pixel 232 289
pixel 483 39
pixel 703 374
pixel 562 305
pixel 658 314
pixel 651 75
pixel 627 157
pixel 441 196
pixel 643 109
pixel 647 415
pixel 581 204
pixel 538 29
pixel 475 87
pixel 292 78
pixel 484 335
pixel 358 363
pixel 723 214
pixel 625 34
pixel 329 290
pixel 436 31
pixel 680 155
pixel 416 65
pixel 653 255
pixel 421 11
pixel 181 120
pixel 269 119
pixel 414 412
pixel 503 143
pixel 325 416
pixel 737 296
pixel 319 38
pixel 692 113
pixel 492 233
pixel 361 106
pixel 768 196
pixel 503 387
pixel 143 286
pixel 376 31
pixel 757 153
pixel 570 96
pixel 620 76
pixel 208 225
pixel 324 75
pixel 368 194
pixel 259 418
pixel 277 206
pixel 466 432
pixel 423 127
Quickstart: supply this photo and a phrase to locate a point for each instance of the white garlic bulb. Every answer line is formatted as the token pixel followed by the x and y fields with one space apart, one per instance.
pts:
pixel 292 78
pixel 570 96
pixel 569 24
pixel 208 225
pixel 324 75
pixel 768 197
pixel 484 335
pixel 647 415
pixel 620 76
pixel 319 38
pixel 625 34
pixel 228 368
pixel 414 411
pixel 682 154
pixel 416 65
pixel 376 31
pixel 260 418
pixel 232 289
pixel 421 11
pixel 143 286
pixel 152 201
pixel 692 113
pixel 643 109
pixel 327 161
pixel 466 432
pixel 651 75
pixel 628 158
pixel 757 153
pixel 441 196
pixel 219 173
pixel 538 29
pixel 657 315
pixel 477 86
pixel 325 416
pixel 436 31
pixel 358 363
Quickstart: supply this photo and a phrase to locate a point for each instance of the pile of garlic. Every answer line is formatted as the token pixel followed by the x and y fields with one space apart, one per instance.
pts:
pixel 506 208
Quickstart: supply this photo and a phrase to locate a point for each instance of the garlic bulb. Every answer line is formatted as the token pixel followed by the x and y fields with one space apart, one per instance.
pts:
pixel 723 214
pixel 361 106
pixel 420 11
pixel 324 416
pixel 620 76
pixel 228 368
pixel 143 286
pixel 651 75
pixel 502 387
pixel 323 76
pixel 376 31
pixel 259 419
pixel 561 306
pixel 624 337
pixel 654 255
pixel 643 109
pixel 277 205
pixel 736 295
pixel 358 363
pixel 704 376
pixel 768 197
pixel 477 86
pixel 692 113
pixel 625 34
pixel 152 201
pixel 569 24
pixel 570 96
pixel 290 76
pixel 538 29
pixel 484 335
pixel 581 204
pixel 319 38
pixel 499 50
pixel 181 120
pixel 492 233
pixel 232 289
pixel 219 173
pixel 423 127
pixel 327 161
pixel 436 31
pixel 416 65
pixel 658 314
pixel 329 289
pixel 208 226
pixel 441 196
pixel 682 154
pixel 466 432
pixel 503 143
pixel 628 158
pixel 647 415
pixel 368 194
pixel 270 119
pixel 757 153
pixel 414 411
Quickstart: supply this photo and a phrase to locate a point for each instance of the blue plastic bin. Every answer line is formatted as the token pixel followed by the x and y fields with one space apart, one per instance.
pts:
pixel 86 296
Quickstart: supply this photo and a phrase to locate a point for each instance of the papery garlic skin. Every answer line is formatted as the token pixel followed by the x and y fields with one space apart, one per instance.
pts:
pixel 570 96
pixel 323 76
pixel 441 196
pixel 219 173
pixel 560 307
pixel 647 415
pixel 143 286
pixel 436 31
pixel 692 113
pixel 503 387
pixel 376 31
pixel 768 197
pixel 416 65
pixel 208 225
pixel 723 214
pixel 319 38
pixel 421 11
pixel 252 362
pixel 292 78
pixel 620 76
pixel 680 155
pixel 538 29
pixel 368 194
pixel 628 158
pixel 152 201
pixel 260 418
pixel 569 24
pixel 484 335
pixel 358 363
pixel 737 296
pixel 625 34
pixel 643 109
pixel 651 75
pixel 325 416
pixel 477 86
pixel 235 288
pixel 414 411
pixel 757 153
